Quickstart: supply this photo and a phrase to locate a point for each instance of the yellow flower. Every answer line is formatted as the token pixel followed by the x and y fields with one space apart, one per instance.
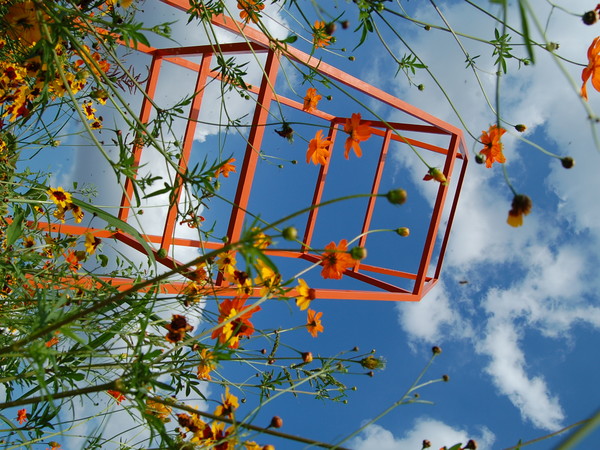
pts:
pixel 77 212
pixel 91 243
pixel 228 406
pixel 305 295
pixel 59 197
pixel 267 278
pixel 521 206
pixel 158 410
pixel 207 364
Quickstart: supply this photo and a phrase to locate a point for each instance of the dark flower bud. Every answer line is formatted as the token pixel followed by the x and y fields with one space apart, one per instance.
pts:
pixel 471 445
pixel 520 127
pixel 276 422
pixel 330 28
pixel 345 24
pixel 426 444
pixel 421 87
pixel 567 162
pixel 445 378
pixel 590 17
pixel 479 158
pixel 436 350
pixel 307 357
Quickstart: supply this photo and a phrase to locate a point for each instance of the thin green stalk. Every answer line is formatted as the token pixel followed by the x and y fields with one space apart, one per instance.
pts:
pixel 414 386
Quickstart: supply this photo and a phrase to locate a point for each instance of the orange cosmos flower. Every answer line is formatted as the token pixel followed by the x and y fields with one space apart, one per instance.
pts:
pixel 358 132
pixel 320 36
pixel 493 147
pixel 335 260
pixel 593 68
pixel 226 168
pixel 231 332
pixel 311 100
pixel 22 23
pixel 22 416
pixel 250 10
pixel 521 206
pixel 313 322
pixel 118 396
pixel 318 149
pixel 51 342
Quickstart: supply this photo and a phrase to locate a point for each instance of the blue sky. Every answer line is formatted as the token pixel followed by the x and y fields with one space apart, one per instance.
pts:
pixel 518 339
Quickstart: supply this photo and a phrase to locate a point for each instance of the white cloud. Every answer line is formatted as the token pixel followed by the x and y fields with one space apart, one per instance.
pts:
pixel 429 320
pixel 537 278
pixel 508 371
pixel 438 433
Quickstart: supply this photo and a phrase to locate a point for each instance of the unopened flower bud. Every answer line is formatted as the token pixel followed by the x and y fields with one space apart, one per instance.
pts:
pixel 436 350
pixel 330 28
pixel 271 361
pixel 567 162
pixel 358 253
pixel 290 233
pixel 355 349
pixel 427 27
pixel 345 24
pixel 437 175
pixel 421 87
pixel 397 196
pixel 445 378
pixel 426 444
pixel 403 231
pixel 162 253
pixel 590 17
pixel 371 374
pixel 471 445
pixel 351 58
pixel 372 363
pixel 307 357
pixel 276 422
pixel 520 127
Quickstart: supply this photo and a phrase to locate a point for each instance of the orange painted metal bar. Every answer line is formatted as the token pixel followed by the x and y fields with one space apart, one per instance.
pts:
pixel 137 148
pixel 261 113
pixel 374 190
pixel 436 217
pixel 188 141
pixel 318 193
pixel 197 50
pixel 461 178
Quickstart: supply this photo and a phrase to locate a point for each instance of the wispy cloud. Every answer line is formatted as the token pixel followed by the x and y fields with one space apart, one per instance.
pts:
pixel 437 433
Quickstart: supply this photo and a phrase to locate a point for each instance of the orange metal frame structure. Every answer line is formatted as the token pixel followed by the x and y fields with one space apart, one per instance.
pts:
pixel 257 43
